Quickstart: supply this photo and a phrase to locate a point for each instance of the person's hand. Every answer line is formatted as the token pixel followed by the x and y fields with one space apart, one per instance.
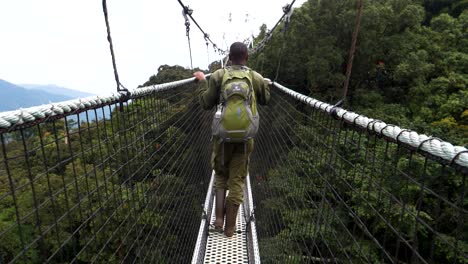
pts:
pixel 268 81
pixel 199 75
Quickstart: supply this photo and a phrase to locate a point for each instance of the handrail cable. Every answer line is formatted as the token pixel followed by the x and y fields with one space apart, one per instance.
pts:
pixel 452 155
pixel 449 154
pixel 120 87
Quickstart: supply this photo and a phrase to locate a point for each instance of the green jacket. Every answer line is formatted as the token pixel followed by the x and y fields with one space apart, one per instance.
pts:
pixel 209 91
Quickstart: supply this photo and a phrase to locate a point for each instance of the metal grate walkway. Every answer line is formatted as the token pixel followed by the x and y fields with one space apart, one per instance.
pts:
pixel 221 249
pixel 214 247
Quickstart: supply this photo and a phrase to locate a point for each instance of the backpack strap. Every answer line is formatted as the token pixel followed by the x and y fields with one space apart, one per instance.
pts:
pixel 221 86
pixel 252 90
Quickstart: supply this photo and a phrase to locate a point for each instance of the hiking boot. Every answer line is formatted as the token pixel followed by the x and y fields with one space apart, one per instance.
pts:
pixel 231 217
pixel 219 210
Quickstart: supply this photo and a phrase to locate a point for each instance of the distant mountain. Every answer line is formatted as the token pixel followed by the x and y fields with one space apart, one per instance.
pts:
pixel 54 89
pixel 13 97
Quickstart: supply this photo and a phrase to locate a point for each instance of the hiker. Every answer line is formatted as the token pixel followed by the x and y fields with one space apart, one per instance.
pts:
pixel 235 91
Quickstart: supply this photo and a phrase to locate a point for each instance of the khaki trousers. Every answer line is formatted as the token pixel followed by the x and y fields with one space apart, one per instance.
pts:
pixel 230 173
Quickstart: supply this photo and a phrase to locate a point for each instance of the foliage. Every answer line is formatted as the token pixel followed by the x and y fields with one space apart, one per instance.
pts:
pixel 406 71
pixel 168 73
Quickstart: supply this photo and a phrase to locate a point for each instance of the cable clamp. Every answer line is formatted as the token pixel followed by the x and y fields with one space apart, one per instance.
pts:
pixel 124 92
pixel 334 110
pixel 204 214
pixel 286 8
pixel 188 11
pixel 207 37
pixel 288 13
pixel 250 217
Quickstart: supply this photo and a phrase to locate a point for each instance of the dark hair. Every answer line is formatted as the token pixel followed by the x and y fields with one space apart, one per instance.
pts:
pixel 238 52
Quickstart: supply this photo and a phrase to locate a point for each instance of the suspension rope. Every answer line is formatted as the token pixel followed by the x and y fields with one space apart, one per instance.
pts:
pixel 186 9
pixel 352 49
pixel 266 39
pixel 120 87
pixel 287 10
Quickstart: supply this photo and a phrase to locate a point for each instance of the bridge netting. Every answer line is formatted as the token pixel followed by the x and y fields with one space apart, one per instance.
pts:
pixel 109 180
pixel 123 179
pixel 350 189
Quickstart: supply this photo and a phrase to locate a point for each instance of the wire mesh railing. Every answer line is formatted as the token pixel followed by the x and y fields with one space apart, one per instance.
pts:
pixel 117 180
pixel 331 191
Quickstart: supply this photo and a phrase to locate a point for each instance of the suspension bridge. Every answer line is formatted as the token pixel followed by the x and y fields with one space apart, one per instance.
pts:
pixel 326 185
pixel 127 178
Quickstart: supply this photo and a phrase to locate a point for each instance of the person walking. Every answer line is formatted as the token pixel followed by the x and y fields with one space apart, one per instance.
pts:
pixel 235 91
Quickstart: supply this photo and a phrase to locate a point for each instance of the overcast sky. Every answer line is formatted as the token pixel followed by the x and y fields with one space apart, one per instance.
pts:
pixel 64 42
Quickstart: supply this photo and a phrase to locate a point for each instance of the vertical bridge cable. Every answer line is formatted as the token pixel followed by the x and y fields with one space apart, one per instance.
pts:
pixel 120 87
pixel 352 49
pixel 207 49
pixel 187 11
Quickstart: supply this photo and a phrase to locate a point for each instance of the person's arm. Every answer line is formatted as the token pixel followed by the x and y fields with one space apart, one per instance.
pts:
pixel 208 90
pixel 262 88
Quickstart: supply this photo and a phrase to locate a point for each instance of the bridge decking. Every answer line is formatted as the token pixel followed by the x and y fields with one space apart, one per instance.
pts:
pixel 221 249
pixel 214 247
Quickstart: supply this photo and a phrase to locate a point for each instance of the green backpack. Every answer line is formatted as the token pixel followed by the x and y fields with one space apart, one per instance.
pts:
pixel 236 119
